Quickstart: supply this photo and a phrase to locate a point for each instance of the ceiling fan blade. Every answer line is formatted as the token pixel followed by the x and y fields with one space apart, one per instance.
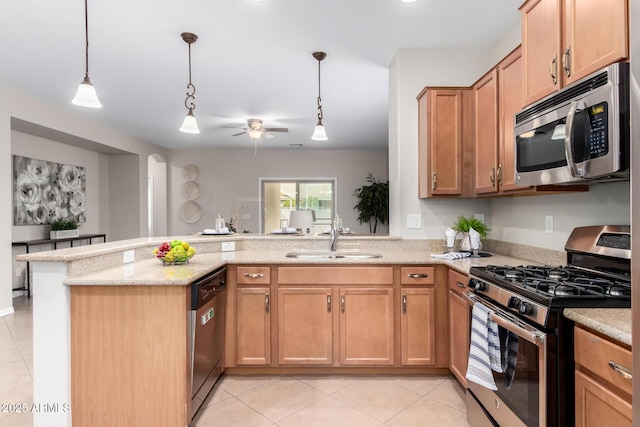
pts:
pixel 267 135
pixel 239 133
pixel 232 127
pixel 276 129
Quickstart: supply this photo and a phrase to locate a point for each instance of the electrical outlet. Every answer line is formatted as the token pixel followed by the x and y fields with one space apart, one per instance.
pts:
pixel 228 246
pixel 548 224
pixel 128 256
pixel 479 216
pixel 414 221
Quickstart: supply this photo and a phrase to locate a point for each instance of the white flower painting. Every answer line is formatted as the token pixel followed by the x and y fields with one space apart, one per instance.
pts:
pixel 46 191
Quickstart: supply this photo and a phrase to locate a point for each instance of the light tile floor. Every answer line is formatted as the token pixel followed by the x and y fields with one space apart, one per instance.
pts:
pixel 276 401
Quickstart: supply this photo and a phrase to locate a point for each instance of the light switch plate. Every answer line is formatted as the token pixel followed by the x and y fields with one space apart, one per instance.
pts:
pixel 414 221
pixel 128 256
pixel 548 224
pixel 228 246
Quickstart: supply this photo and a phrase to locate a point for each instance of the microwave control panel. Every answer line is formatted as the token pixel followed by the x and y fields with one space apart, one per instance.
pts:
pixel 597 126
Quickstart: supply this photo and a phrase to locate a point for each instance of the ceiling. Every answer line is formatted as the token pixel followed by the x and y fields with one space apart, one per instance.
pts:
pixel 251 59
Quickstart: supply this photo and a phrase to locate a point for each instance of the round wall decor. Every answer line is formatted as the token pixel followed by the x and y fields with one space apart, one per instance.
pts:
pixel 190 172
pixel 190 212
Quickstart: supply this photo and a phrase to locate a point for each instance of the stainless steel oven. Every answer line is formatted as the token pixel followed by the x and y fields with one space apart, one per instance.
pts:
pixel 528 301
pixel 522 402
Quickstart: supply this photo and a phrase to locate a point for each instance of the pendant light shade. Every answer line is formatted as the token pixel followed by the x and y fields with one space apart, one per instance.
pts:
pixel 86 95
pixel 189 125
pixel 319 133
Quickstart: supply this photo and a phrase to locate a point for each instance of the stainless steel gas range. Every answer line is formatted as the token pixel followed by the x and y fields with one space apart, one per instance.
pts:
pixel 526 303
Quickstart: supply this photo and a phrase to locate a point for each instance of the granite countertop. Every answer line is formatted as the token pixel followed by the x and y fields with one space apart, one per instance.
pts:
pixel 612 322
pixel 150 271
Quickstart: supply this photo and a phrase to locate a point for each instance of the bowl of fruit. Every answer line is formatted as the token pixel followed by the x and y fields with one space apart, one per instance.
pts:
pixel 174 252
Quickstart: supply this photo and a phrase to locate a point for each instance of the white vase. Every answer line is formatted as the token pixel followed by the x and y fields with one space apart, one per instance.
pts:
pixel 465 243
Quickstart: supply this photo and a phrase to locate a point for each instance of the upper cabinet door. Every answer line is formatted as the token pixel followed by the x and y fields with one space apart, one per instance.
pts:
pixel 541 44
pixel 486 133
pixel 595 35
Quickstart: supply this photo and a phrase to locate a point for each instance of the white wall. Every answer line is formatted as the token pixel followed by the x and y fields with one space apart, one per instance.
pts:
pixel 410 71
pixel 228 176
pixel 83 131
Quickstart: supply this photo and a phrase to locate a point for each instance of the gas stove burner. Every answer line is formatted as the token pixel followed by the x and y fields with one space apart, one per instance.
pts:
pixel 618 291
pixel 558 274
pixel 564 290
pixel 514 273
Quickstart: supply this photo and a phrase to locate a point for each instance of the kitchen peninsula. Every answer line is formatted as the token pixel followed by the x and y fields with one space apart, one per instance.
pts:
pixel 129 318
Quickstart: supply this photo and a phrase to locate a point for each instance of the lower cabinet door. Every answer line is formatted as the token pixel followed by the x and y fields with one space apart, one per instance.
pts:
pixel 598 406
pixel 417 326
pixel 305 333
pixel 253 323
pixel 459 330
pixel 366 326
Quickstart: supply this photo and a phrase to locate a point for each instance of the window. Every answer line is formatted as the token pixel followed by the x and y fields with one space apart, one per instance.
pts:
pixel 281 196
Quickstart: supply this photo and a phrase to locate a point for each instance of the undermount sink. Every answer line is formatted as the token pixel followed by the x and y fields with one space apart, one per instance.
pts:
pixel 333 255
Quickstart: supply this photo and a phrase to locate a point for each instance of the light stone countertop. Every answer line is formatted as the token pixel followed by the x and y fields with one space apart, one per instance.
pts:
pixel 612 322
pixel 150 271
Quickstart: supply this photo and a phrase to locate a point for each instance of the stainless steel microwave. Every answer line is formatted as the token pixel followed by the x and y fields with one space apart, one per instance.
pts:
pixel 578 134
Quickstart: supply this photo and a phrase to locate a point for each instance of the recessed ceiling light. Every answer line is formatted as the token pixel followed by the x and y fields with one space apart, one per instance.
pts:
pixel 408 1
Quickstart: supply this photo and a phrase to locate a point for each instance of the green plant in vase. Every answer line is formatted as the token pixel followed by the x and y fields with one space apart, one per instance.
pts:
pixel 464 223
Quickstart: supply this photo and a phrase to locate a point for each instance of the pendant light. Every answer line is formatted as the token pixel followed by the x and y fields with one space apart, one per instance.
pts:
pixel 319 134
pixel 189 125
pixel 86 95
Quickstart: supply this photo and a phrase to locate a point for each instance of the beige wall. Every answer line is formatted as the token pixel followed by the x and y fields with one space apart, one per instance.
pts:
pixel 228 176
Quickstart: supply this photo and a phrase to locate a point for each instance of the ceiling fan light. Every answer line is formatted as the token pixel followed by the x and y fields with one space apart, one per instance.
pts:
pixel 86 95
pixel 255 133
pixel 319 134
pixel 189 125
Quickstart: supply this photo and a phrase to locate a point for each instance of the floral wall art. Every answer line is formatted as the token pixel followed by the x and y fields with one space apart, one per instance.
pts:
pixel 46 191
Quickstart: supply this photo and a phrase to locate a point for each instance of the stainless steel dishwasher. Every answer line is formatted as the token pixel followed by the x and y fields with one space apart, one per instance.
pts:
pixel 206 323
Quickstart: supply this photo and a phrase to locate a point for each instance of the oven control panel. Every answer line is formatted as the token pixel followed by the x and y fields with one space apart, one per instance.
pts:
pixel 510 300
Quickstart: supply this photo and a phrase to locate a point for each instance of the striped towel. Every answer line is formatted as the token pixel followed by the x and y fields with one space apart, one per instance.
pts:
pixel 484 352
pixel 510 358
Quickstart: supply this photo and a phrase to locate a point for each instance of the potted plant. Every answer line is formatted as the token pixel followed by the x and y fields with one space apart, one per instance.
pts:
pixel 373 203
pixel 464 223
pixel 63 228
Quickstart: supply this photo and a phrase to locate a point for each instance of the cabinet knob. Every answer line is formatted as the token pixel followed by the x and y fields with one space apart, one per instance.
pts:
pixel 418 275
pixel 625 373
pixel 404 304
pixel 329 303
pixel 433 181
pixel 499 173
pixel 492 175
pixel 266 303
pixel 342 303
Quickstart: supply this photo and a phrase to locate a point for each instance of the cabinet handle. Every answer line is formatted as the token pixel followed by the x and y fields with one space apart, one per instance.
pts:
pixel 254 275
pixel 417 275
pixel 433 181
pixel 404 304
pixel 566 61
pixel 329 303
pixel 625 373
pixel 342 303
pixel 553 69
pixel 266 303
pixel 460 284
pixel 499 173
pixel 492 175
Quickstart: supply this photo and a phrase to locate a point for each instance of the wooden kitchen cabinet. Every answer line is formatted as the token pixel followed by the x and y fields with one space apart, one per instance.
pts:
pixel 565 40
pixel 305 326
pixel 459 326
pixel 366 326
pixel 253 325
pixel 603 394
pixel 444 124
pixel 485 94
pixel 417 326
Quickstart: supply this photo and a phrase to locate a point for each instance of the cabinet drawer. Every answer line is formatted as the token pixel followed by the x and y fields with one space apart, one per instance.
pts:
pixel 597 361
pixel 417 275
pixel 457 281
pixel 254 275
pixel 335 275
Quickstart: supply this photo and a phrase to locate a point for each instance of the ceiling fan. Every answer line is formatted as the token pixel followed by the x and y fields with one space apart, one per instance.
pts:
pixel 255 130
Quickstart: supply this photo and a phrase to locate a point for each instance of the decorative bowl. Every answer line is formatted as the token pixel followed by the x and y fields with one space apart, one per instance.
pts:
pixel 176 252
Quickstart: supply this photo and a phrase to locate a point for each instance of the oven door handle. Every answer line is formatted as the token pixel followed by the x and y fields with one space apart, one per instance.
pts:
pixel 524 331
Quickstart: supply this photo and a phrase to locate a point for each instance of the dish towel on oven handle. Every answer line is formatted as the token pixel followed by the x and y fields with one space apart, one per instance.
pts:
pixel 510 358
pixel 484 352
